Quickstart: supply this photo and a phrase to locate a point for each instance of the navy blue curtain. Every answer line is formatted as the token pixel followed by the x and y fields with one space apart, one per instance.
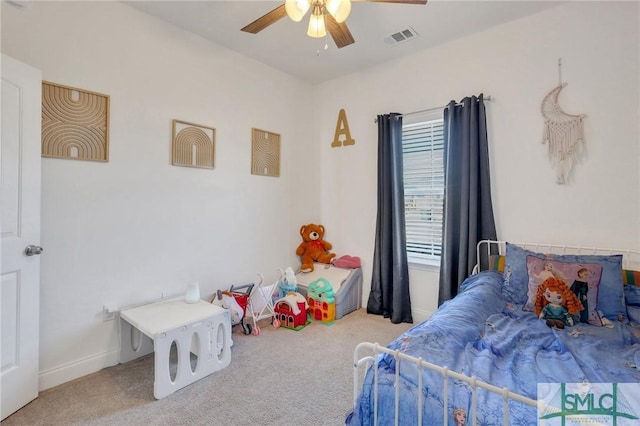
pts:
pixel 468 212
pixel 389 294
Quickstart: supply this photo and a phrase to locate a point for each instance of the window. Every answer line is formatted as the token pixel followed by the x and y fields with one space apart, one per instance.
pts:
pixel 423 162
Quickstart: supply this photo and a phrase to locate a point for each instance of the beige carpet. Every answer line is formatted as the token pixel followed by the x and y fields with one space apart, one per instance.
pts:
pixel 282 377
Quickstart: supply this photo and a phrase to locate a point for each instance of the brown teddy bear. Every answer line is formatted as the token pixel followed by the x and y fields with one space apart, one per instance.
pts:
pixel 313 247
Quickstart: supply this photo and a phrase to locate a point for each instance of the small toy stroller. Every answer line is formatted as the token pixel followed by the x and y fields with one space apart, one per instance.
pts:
pixel 236 299
pixel 261 304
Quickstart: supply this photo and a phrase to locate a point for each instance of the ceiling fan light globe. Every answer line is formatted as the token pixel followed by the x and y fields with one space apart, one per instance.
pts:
pixel 296 9
pixel 316 26
pixel 339 9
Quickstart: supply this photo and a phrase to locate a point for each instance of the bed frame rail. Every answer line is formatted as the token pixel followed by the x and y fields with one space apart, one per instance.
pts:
pixel 365 356
pixel 486 248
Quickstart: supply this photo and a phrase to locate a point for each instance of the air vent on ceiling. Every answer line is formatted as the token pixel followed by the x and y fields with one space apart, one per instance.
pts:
pixel 401 36
pixel 18 3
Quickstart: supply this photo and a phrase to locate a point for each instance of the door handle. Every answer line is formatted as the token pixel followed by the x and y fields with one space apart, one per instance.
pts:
pixel 32 250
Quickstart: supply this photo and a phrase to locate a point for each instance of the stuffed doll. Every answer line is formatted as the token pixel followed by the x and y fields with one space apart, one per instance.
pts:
pixel 556 303
pixel 313 247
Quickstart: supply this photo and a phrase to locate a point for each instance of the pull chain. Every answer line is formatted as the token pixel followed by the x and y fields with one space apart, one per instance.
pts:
pixel 326 36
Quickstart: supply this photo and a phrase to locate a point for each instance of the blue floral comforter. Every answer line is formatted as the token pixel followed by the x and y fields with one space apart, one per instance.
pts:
pixel 480 333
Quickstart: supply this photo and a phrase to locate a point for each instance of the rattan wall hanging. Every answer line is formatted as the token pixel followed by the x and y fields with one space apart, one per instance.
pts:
pixel 193 145
pixel 562 132
pixel 265 153
pixel 75 123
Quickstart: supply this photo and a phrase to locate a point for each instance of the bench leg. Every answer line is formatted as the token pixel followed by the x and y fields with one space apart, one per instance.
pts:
pixel 133 343
pixel 212 347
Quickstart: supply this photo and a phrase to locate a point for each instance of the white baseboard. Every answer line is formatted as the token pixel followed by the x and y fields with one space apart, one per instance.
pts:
pixel 420 315
pixel 74 370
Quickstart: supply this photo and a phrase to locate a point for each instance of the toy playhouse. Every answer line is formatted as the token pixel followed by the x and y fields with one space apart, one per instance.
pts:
pixel 291 310
pixel 345 282
pixel 322 301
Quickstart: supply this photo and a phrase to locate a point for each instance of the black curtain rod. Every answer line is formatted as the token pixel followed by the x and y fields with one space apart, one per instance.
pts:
pixel 422 111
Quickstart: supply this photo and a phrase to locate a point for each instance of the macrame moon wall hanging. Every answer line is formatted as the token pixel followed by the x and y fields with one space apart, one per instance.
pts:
pixel 563 133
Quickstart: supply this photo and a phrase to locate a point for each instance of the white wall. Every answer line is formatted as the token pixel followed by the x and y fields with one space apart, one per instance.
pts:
pixel 516 64
pixel 126 231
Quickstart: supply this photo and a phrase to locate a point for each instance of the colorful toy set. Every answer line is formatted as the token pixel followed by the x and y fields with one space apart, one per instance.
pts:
pixel 291 310
pixel 322 301
pixel 290 306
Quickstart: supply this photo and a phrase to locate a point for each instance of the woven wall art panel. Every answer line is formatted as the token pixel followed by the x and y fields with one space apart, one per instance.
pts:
pixel 193 145
pixel 75 123
pixel 265 153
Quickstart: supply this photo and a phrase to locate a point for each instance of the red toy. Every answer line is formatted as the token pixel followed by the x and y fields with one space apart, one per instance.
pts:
pixel 291 310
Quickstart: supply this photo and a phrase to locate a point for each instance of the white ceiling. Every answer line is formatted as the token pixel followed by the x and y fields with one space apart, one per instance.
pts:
pixel 285 45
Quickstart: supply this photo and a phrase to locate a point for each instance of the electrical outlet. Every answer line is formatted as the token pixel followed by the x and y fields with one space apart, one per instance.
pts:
pixel 109 313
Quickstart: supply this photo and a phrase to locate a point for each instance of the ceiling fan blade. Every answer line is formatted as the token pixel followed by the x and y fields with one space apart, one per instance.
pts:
pixel 339 32
pixel 264 21
pixel 396 1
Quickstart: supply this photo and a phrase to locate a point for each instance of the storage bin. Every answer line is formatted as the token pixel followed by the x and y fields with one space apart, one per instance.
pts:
pixel 346 284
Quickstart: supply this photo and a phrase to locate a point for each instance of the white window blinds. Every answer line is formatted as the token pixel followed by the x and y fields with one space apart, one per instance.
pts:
pixel 423 161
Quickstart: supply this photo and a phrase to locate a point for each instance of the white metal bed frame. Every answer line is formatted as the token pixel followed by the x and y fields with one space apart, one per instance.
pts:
pixel 631 258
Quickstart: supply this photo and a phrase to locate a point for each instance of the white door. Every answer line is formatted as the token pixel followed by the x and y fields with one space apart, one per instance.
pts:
pixel 20 227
